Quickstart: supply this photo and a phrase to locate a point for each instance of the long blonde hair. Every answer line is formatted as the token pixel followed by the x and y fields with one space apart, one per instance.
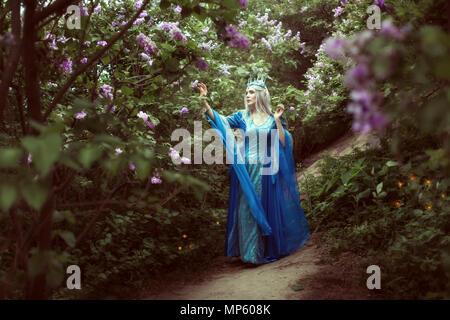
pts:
pixel 262 100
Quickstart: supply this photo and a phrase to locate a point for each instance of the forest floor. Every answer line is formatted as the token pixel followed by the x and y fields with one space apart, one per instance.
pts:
pixel 313 272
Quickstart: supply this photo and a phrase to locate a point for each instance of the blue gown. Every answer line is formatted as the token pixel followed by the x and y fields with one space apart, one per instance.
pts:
pixel 265 219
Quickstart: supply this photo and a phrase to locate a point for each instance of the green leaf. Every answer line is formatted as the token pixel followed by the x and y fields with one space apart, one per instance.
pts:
pixel 69 162
pixel 345 177
pixel 232 4
pixel 35 195
pixel 8 195
pixel 168 47
pixel 10 157
pixel 142 167
pixel 68 237
pixel 112 165
pixel 379 187
pixel 44 150
pixel 297 287
pixel 391 163
pixel 126 90
pixel 363 194
pixel 108 139
pixel 89 155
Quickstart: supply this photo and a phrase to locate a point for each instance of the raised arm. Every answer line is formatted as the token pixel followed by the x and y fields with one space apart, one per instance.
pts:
pixel 278 113
pixel 208 110
pixel 203 92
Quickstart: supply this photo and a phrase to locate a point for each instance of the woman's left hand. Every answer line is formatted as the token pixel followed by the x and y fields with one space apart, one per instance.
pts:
pixel 279 112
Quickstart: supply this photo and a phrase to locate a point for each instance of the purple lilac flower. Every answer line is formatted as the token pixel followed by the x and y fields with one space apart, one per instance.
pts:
pixel 177 35
pixel 132 166
pixel 138 4
pixel 184 110
pixel 143 14
pixel 334 47
pixel 224 69
pixel 389 29
pixel 366 120
pixel 174 154
pixel 381 4
pixel 363 97
pixel 80 115
pixel 185 160
pixel 66 65
pixel 47 36
pixel 177 9
pixel 138 21
pixel 205 30
pixel 62 39
pixel 87 43
pixel 147 44
pixel 29 159
pixel 167 26
pixel 97 10
pixel 118 151
pixel 155 180
pixel 142 115
pixel 288 34
pixel 357 76
pixel 243 2
pixel 237 41
pixel 120 17
pixel 83 10
pixel 207 46
pixel 84 60
pixel 344 3
pixel 266 43
pixel 150 124
pixel 102 43
pixel 337 11
pixel 106 91
pixel 264 18
pixel 150 21
pixel 201 64
pixel 145 57
pixel 194 84
pixel 291 108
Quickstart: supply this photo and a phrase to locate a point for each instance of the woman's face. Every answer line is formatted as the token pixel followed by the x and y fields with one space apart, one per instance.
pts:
pixel 250 94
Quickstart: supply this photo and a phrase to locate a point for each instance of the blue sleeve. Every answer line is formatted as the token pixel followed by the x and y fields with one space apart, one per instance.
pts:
pixel 233 119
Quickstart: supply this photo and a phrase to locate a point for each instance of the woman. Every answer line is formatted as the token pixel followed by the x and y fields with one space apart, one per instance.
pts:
pixel 265 218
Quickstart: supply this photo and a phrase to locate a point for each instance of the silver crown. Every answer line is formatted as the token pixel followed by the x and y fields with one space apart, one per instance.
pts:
pixel 259 81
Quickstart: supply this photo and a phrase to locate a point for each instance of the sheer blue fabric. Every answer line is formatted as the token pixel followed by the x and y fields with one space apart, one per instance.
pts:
pixel 265 218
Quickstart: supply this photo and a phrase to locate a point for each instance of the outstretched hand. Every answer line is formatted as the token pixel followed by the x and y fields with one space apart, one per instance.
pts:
pixel 279 112
pixel 202 88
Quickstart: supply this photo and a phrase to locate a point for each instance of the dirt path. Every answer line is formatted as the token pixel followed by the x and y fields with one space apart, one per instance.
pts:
pixel 310 273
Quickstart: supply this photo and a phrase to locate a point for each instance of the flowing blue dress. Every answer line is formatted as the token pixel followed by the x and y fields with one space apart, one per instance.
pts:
pixel 265 218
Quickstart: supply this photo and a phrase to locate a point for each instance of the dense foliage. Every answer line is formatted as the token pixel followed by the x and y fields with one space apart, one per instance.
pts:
pixel 86 117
